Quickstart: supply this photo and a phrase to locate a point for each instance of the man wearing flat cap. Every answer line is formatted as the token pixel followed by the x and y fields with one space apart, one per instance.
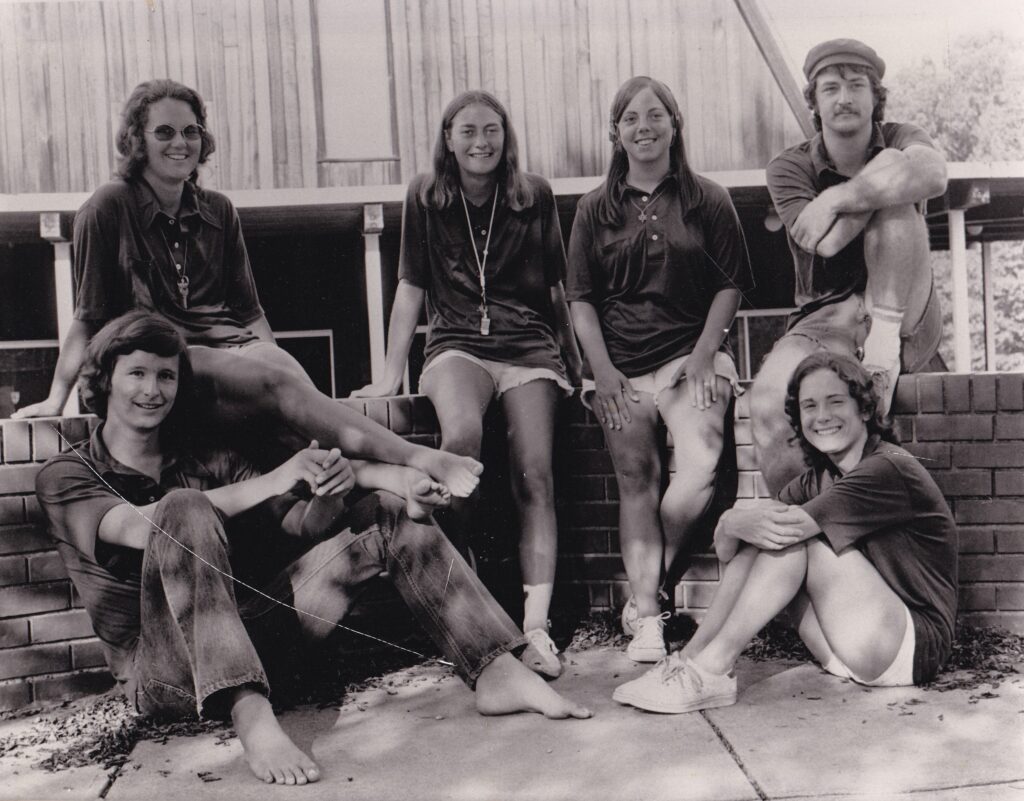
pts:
pixel 851 199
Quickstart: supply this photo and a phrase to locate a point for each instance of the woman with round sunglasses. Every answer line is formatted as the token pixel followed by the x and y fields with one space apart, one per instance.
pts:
pixel 860 551
pixel 481 243
pixel 657 267
pixel 154 239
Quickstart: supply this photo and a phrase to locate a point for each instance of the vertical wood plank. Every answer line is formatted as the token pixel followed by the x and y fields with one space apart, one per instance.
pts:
pixel 306 119
pixel 423 128
pixel 474 44
pixel 401 78
pixel 263 120
pixel 519 109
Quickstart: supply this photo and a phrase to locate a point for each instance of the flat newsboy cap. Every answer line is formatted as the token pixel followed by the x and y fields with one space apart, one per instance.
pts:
pixel 841 51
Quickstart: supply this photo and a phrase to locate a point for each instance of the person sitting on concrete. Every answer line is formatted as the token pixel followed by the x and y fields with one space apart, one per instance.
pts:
pixel 153 239
pixel 142 516
pixel 851 199
pixel 861 550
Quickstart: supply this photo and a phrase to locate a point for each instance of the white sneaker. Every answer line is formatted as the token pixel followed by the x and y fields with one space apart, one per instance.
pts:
pixel 648 643
pixel 541 654
pixel 631 613
pixel 677 685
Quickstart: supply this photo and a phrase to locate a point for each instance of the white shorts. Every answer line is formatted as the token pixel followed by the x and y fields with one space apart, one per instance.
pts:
pixel 899 674
pixel 656 381
pixel 504 376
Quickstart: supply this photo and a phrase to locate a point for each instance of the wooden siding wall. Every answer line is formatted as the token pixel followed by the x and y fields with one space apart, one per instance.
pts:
pixel 66 68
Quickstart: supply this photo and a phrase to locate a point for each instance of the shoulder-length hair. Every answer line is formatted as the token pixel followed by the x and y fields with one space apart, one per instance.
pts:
pixel 440 191
pixel 879 92
pixel 130 139
pixel 145 331
pixel 862 390
pixel 610 208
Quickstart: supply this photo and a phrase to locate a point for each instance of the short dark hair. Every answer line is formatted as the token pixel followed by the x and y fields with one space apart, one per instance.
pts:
pixel 130 139
pixel 440 191
pixel 862 390
pixel 880 92
pixel 136 330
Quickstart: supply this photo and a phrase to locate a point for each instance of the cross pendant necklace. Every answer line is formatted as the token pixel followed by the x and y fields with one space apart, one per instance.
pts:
pixel 180 267
pixel 642 216
pixel 481 265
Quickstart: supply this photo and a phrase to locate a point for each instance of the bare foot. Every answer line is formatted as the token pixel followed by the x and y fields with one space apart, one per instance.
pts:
pixel 271 754
pixel 506 685
pixel 460 474
pixel 424 497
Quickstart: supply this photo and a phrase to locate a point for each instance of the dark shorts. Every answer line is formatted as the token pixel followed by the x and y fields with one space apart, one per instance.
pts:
pixel 844 326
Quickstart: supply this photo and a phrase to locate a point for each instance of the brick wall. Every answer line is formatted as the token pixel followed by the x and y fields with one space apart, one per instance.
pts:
pixel 968 429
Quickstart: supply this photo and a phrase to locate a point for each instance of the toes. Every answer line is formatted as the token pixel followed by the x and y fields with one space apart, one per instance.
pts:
pixel 581 713
pixel 312 773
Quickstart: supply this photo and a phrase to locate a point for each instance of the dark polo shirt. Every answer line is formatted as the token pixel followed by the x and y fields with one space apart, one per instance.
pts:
pixel 797 176
pixel 890 508
pixel 122 261
pixel 525 259
pixel 652 282
pixel 76 489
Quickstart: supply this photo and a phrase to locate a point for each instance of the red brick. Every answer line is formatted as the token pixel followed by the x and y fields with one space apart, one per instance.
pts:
pixel 14 632
pixel 903 425
pixel 1002 567
pixel 74 685
pixel 591 463
pixel 32 660
pixel 592 542
pixel 18 478
pixel 33 512
pixel 990 455
pixel 983 392
pixel 17 441
pixel 600 596
pixel 1009 426
pixel 20 539
pixel 31 599
pixel 703 568
pixel 1009 597
pixel 620 593
pixel 12 510
pixel 400 414
pixel 69 625
pixel 1008 621
pixel 424 419
pixel 45 440
pixel 932 455
pixel 743 432
pixel 953 426
pixel 977 596
pixel 377 410
pixel 990 511
pixel 957 392
pixel 594 515
pixel 1009 539
pixel 591 568
pixel 87 654
pixel 15 695
pixel 904 401
pixel 977 540
pixel 745 485
pixel 611 485
pixel 13 570
pixel 46 567
pixel 1010 391
pixel 586 488
pixel 746 459
pixel 743 406
pixel 960 483
pixel 1009 482
pixel 929 393
pixel 585 437
pixel 698 594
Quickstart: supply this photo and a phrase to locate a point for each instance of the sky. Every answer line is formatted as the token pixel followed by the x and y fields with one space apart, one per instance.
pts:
pixel 902 31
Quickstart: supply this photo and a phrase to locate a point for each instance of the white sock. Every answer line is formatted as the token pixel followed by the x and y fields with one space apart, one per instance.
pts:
pixel 882 346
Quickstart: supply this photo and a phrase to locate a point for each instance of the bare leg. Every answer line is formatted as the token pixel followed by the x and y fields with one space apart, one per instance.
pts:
pixel 270 753
pixel 697 439
pixel 779 458
pixel 634 452
pixel 734 577
pixel 245 385
pixel 506 685
pixel 461 392
pixel 530 411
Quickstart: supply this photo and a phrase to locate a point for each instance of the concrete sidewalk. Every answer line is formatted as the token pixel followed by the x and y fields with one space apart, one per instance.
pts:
pixel 795 733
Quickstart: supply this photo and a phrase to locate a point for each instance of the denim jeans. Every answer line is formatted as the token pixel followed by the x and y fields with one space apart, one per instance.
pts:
pixel 197 639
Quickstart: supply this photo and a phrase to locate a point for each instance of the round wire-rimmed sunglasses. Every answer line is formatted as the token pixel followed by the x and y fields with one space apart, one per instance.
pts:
pixel 165 133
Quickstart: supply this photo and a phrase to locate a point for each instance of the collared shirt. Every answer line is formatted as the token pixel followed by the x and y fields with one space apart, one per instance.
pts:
pixel 524 259
pixel 798 175
pixel 652 281
pixel 76 489
pixel 125 250
pixel 890 508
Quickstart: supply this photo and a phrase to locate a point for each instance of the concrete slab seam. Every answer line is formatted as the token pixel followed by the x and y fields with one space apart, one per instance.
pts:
pixel 735 757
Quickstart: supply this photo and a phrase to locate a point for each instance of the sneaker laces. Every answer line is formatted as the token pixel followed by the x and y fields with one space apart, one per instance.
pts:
pixel 676 666
pixel 645 624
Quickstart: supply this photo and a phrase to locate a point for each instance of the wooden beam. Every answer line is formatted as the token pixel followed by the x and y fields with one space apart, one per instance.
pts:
pixel 767 43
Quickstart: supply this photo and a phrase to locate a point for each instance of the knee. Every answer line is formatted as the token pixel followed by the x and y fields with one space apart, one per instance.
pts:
pixel 533 483
pixel 182 506
pixel 894 225
pixel 638 474
pixel 276 384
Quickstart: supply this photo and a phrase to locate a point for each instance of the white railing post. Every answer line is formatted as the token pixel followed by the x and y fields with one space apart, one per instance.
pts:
pixel 961 308
pixel 988 281
pixel 51 229
pixel 373 226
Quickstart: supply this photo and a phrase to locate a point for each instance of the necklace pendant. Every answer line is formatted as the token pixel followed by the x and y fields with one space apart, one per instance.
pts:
pixel 485 324
pixel 183 290
pixel 642 216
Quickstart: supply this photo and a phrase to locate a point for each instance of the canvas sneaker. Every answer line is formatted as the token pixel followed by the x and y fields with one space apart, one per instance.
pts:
pixel 648 643
pixel 677 685
pixel 541 654
pixel 631 613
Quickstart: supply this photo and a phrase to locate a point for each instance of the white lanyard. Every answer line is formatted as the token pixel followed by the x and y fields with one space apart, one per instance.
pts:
pixel 481 266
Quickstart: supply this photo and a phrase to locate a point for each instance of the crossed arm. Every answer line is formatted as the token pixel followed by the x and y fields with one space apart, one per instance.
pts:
pixel 766 524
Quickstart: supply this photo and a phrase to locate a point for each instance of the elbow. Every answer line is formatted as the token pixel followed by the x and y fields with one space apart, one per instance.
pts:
pixel 827 248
